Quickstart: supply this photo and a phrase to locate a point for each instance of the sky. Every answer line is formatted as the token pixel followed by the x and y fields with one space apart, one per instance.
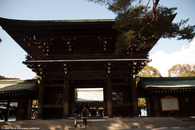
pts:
pixel 165 54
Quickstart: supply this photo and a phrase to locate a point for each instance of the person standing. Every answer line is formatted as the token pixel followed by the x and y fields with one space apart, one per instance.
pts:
pixel 35 114
pixel 140 113
pixel 80 109
pixel 75 113
pixel 85 115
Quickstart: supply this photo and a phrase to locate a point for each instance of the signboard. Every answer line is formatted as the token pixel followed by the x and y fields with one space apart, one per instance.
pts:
pixel 170 103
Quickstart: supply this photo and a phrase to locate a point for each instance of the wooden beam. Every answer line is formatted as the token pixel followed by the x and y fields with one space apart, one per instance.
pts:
pixel 52 106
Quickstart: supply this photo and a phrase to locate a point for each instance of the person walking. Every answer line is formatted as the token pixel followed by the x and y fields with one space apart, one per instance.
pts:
pixel 85 115
pixel 75 113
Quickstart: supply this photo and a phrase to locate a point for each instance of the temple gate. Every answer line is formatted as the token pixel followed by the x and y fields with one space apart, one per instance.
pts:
pixel 71 54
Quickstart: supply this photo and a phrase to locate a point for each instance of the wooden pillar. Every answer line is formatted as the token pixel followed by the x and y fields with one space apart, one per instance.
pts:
pixel 29 109
pixel 157 105
pixel 109 97
pixel 134 97
pixel 71 99
pixel 41 96
pixel 105 101
pixel 65 99
pixel 148 106
pixel 19 109
pixel 7 110
pixel 25 107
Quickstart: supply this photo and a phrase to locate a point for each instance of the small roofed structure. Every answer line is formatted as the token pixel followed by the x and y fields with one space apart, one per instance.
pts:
pixel 168 96
pixel 20 91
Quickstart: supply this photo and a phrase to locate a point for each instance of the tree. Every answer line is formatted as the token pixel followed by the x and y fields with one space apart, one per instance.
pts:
pixel 184 70
pixel 149 71
pixel 35 103
pixel 140 27
pixel 141 102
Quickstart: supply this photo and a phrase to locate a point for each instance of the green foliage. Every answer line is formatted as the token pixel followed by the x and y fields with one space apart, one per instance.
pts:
pixel 121 44
pixel 133 21
pixel 180 31
pixel 180 70
pixel 190 74
pixel 149 71
pixel 120 6
pixel 137 33
pixel 35 103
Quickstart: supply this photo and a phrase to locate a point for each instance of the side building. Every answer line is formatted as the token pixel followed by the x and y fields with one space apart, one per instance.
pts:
pixel 168 96
pixel 21 93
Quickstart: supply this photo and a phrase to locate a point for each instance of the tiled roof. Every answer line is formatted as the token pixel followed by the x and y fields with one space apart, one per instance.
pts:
pixel 166 83
pixel 8 86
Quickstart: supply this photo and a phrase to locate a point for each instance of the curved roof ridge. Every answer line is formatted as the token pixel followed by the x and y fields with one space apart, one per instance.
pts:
pixel 73 20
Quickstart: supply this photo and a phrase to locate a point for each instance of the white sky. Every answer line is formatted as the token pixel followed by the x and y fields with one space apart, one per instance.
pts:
pixel 163 61
pixel 164 54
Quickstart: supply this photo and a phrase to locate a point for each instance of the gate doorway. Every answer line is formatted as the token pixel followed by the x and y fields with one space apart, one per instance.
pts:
pixel 93 99
pixel 90 93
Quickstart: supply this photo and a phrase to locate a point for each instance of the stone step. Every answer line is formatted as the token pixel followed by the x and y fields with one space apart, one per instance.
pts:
pixel 111 123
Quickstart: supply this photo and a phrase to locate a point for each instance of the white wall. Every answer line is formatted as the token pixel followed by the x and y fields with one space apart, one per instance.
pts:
pixel 90 95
